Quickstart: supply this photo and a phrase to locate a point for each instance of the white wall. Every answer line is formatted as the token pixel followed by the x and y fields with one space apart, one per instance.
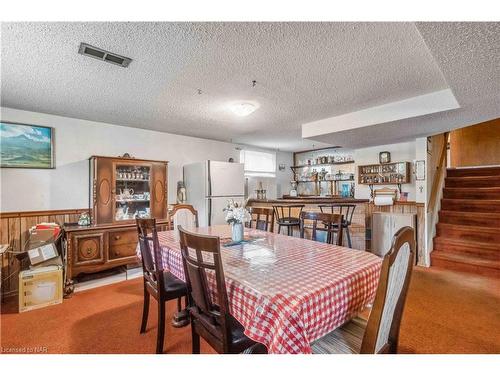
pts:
pixel 67 186
pixel 275 187
pixel 370 155
pixel 421 185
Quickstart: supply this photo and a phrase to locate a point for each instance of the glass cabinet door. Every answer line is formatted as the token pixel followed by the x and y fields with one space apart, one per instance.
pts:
pixel 133 192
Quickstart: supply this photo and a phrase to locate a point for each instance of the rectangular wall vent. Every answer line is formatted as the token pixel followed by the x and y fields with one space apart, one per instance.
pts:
pixel 98 53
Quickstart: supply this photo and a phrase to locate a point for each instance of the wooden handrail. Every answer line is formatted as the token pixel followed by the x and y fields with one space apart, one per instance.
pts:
pixel 437 177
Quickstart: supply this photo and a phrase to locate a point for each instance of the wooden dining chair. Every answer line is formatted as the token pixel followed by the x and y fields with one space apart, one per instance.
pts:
pixel 329 224
pixel 263 217
pixel 160 284
pixel 184 215
pixel 211 319
pixel 381 332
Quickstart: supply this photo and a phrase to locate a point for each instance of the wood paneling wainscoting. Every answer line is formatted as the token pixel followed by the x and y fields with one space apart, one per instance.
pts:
pixel 14 227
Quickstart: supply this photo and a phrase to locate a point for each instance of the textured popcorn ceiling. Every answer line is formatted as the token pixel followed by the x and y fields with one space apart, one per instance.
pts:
pixel 304 72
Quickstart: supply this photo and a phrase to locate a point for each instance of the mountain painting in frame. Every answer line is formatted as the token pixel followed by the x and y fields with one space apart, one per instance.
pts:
pixel 26 146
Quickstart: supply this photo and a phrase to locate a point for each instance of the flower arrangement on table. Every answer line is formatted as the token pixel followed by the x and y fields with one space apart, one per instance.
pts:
pixel 236 215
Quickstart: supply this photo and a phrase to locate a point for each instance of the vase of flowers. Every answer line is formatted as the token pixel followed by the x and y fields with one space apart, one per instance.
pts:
pixel 236 215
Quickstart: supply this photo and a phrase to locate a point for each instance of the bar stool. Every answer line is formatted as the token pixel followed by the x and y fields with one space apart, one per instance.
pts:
pixel 347 210
pixel 284 218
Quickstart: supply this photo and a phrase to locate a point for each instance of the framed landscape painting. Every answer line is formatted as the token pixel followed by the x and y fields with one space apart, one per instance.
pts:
pixel 26 146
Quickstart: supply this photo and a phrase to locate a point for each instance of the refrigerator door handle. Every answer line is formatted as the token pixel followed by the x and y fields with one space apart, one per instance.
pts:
pixel 209 212
pixel 209 177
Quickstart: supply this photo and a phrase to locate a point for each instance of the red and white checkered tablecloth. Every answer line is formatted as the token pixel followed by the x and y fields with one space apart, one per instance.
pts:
pixel 287 292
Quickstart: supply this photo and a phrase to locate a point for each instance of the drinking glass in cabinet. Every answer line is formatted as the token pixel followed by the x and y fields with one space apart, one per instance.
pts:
pixel 132 192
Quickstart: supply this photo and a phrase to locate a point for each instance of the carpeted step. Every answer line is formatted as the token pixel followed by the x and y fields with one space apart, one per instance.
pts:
pixel 466 172
pixel 472 205
pixel 468 232
pixel 481 219
pixel 465 263
pixel 472 193
pixel 473 181
pixel 481 250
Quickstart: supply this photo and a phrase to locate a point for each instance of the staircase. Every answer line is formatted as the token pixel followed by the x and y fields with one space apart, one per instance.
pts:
pixel 468 232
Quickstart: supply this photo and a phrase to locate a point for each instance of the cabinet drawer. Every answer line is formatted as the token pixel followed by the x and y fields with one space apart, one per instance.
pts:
pixel 123 237
pixel 87 248
pixel 122 251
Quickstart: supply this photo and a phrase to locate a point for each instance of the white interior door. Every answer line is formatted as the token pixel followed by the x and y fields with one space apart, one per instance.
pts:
pixel 226 179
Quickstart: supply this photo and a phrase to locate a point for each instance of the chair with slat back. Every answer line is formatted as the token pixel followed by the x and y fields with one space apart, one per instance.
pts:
pixel 285 217
pixel 159 283
pixel 329 225
pixel 184 215
pixel 263 217
pixel 210 316
pixel 381 332
pixel 346 210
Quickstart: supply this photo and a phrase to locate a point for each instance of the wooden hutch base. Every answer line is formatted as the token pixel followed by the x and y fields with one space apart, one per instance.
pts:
pixel 97 248
pixel 120 190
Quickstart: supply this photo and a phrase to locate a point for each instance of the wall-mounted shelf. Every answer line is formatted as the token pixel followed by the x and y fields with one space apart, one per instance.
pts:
pixel 384 174
pixel 345 179
pixel 322 165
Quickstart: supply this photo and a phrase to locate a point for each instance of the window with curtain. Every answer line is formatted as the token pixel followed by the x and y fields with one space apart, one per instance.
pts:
pixel 258 163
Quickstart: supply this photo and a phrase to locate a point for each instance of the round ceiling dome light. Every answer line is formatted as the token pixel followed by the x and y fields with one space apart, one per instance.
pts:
pixel 243 109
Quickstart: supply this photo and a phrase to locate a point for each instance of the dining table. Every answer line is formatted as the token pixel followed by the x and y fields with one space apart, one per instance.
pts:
pixel 285 291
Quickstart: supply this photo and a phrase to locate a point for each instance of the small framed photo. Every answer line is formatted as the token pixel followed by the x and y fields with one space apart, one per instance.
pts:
pixel 384 157
pixel 26 146
pixel 420 170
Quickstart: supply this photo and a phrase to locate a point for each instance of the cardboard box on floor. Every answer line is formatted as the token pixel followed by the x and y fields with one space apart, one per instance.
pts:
pixel 41 246
pixel 42 284
pixel 40 287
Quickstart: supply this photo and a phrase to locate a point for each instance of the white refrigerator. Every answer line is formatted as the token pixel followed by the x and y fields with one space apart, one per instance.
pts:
pixel 209 186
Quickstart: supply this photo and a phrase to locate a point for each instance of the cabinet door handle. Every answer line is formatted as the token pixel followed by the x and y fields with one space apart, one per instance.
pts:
pixel 89 250
pixel 117 252
pixel 117 237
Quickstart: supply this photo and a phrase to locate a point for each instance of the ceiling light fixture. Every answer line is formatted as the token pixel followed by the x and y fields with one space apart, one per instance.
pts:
pixel 243 109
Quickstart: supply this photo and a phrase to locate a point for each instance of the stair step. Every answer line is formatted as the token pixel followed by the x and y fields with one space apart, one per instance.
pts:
pixel 480 219
pixel 472 193
pixel 480 250
pixel 465 263
pixel 486 205
pixel 473 181
pixel 480 171
pixel 468 232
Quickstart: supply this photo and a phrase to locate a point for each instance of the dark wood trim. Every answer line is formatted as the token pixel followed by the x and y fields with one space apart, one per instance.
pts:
pixel 285 201
pixel 9 215
pixel 117 158
pixel 127 224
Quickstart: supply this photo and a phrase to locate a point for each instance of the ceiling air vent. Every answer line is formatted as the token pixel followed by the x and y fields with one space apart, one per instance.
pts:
pixel 98 53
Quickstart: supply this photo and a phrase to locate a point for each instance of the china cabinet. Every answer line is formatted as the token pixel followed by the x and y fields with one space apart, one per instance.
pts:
pixel 121 190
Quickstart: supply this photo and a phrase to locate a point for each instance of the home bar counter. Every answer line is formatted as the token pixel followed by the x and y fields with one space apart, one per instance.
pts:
pixel 361 225
pixel 358 225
